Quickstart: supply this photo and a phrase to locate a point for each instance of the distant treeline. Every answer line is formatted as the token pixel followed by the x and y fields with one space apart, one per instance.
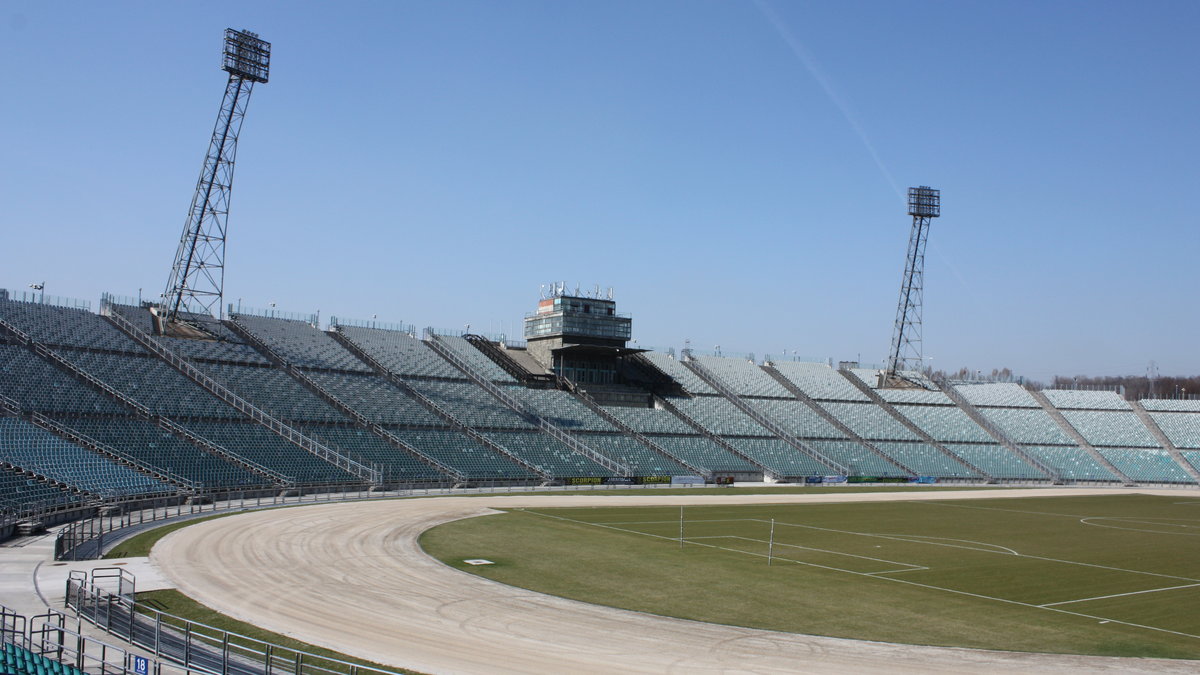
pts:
pixel 1133 387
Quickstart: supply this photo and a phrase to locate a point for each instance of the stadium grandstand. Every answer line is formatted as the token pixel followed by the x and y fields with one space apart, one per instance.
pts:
pixel 98 409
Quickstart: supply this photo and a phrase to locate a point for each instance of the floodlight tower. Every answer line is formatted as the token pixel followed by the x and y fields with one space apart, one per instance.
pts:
pixel 924 204
pixel 196 284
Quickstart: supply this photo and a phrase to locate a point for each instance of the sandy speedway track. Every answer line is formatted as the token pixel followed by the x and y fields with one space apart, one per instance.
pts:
pixel 352 577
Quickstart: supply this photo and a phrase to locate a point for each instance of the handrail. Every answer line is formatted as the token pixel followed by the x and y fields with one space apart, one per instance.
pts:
pixel 705 432
pixel 10 405
pixel 907 423
pixel 1163 440
pixel 49 354
pixel 194 646
pixel 1083 443
pixel 288 433
pixel 770 425
pixel 629 431
pixel 232 457
pixel 994 431
pixel 574 444
pixel 832 419
pixel 433 406
pixel 130 461
pixel 506 362
pixel 360 419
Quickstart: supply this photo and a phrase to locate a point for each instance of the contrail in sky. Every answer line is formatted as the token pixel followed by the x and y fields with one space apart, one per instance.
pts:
pixel 810 65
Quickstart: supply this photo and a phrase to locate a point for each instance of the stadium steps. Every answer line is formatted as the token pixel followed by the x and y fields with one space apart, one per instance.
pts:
pixel 1078 438
pixel 995 432
pixel 321 451
pixel 140 410
pixel 433 407
pixel 910 425
pixel 507 363
pixel 577 446
pixel 767 423
pixel 629 431
pixel 705 432
pixel 66 433
pixel 650 377
pixel 360 420
pixel 831 419
pixel 1164 440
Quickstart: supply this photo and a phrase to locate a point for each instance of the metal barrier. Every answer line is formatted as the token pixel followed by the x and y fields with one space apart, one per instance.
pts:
pixel 193 646
pixel 86 539
pixel 48 636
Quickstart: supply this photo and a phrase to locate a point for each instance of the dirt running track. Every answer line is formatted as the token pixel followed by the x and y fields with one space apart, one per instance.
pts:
pixel 353 578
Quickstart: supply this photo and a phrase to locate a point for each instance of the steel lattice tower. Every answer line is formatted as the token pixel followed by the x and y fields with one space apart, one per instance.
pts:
pixel 197 278
pixel 924 204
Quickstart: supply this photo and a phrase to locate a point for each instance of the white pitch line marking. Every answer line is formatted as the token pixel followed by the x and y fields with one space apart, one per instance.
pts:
pixel 1118 595
pixel 906 582
pixel 992 551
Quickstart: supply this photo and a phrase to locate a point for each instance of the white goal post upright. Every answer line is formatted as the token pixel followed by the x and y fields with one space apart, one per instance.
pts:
pixel 771 544
pixel 680 528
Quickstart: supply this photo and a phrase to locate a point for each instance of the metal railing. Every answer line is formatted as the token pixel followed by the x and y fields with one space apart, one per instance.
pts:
pixel 52 638
pixel 1079 439
pixel 208 446
pixel 329 397
pixel 435 408
pixel 194 645
pixel 574 444
pixel 288 433
pixel 112 453
pixel 42 350
pixel 832 419
pixel 1164 440
pixel 994 431
pixel 891 410
pixel 705 432
pixel 767 423
pixel 629 431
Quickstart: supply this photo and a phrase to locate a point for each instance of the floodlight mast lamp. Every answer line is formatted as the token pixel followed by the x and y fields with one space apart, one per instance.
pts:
pixel 924 204
pixel 196 284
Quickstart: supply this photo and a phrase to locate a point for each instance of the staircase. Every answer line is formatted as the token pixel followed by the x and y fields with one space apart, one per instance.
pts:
pixel 353 467
pixel 506 362
pixel 576 446
pixel 638 368
pixel 1082 442
pixel 634 434
pixel 50 355
pixel 909 424
pixel 67 433
pixel 142 412
pixel 1164 441
pixel 433 407
pixel 996 432
pixel 725 445
pixel 280 479
pixel 9 406
pixel 835 422
pixel 360 420
pixel 767 423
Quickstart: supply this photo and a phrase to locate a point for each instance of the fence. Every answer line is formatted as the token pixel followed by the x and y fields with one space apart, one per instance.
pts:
pixel 39 297
pixel 194 646
pixel 46 640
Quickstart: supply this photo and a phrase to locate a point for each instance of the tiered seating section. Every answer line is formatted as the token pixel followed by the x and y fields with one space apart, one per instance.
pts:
pixel 840 417
pixel 17 660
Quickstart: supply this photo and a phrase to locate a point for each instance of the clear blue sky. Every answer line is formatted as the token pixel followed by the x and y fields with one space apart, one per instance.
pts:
pixel 731 168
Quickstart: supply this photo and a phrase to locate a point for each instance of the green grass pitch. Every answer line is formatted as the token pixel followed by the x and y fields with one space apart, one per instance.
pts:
pixel 1114 575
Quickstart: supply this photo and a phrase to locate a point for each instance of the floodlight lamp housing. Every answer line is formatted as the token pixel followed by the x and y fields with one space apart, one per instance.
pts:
pixel 924 202
pixel 246 55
